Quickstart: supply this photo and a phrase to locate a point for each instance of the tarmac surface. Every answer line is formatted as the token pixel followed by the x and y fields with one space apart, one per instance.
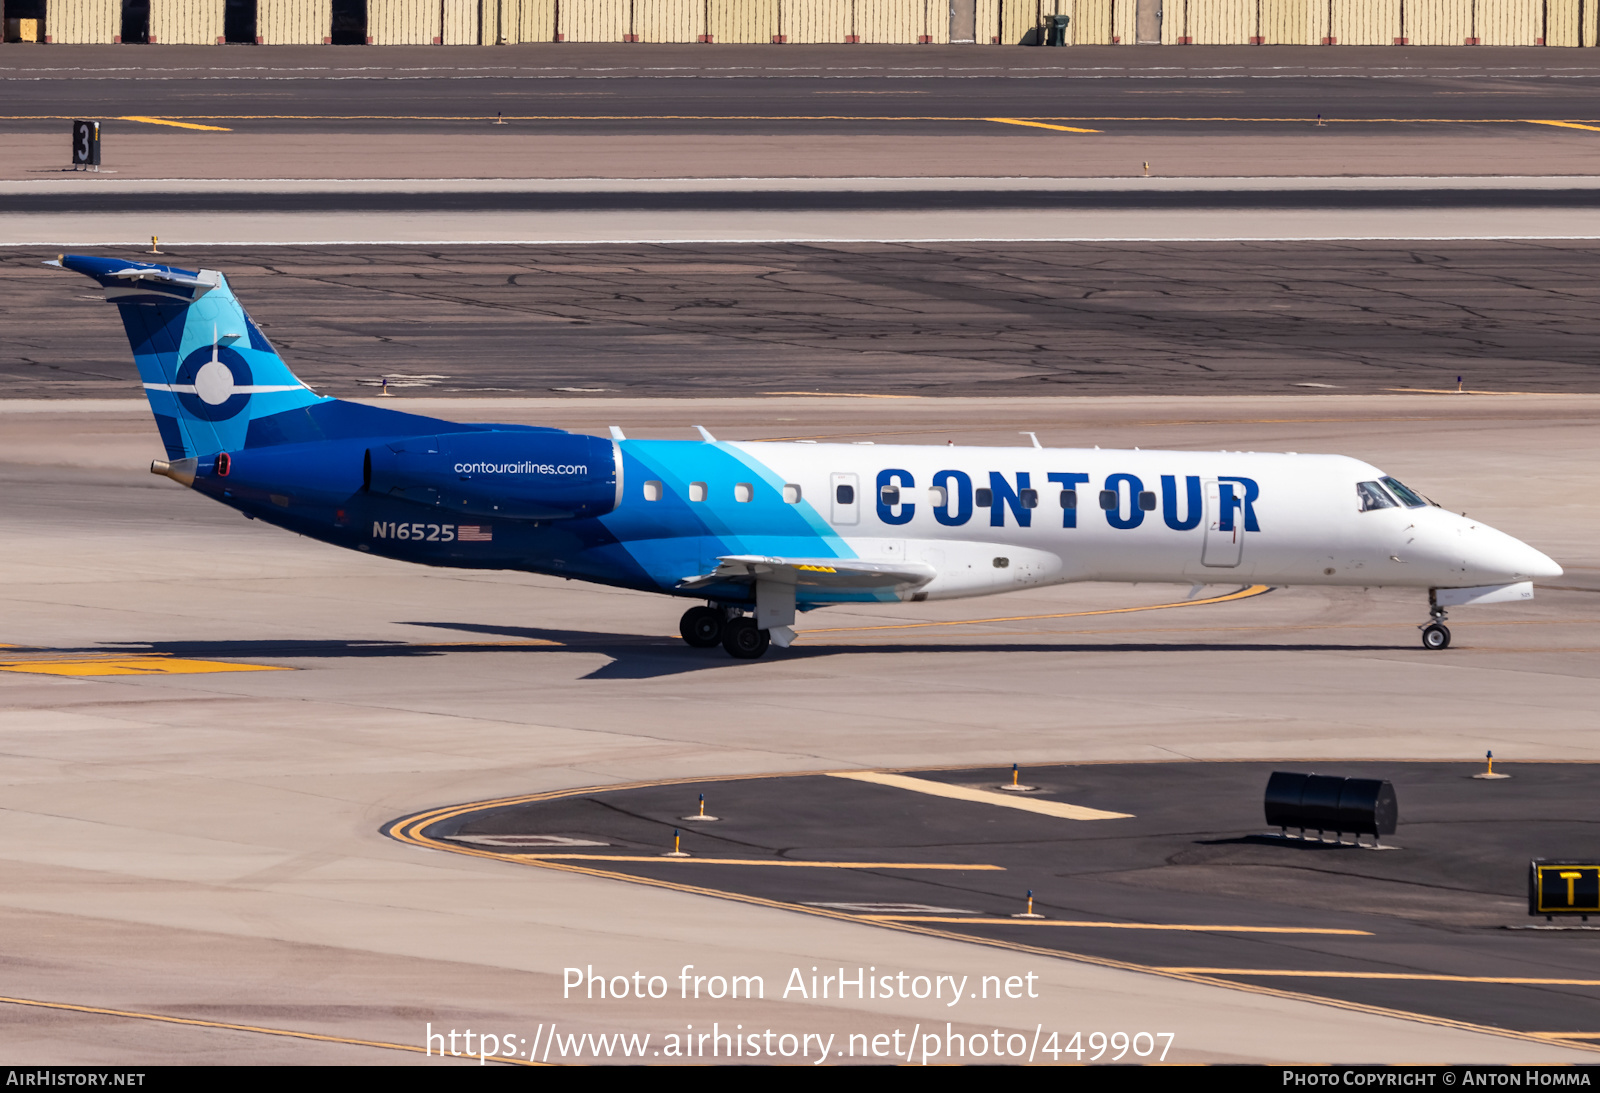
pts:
pixel 971 320
pixel 1160 865
pixel 619 90
pixel 209 723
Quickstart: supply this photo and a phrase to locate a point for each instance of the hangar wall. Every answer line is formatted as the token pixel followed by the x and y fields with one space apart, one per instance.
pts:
pixel 900 22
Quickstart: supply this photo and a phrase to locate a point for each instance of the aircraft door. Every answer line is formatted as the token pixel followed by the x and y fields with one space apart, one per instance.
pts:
pixel 1224 547
pixel 846 498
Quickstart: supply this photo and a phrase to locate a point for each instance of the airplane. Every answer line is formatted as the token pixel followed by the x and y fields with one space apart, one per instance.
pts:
pixel 762 531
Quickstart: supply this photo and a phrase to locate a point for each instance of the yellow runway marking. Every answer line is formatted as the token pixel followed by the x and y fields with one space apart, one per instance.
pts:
pixel 761 861
pixel 1059 809
pixel 1122 925
pixel 1567 1035
pixel 232 1027
pixel 176 124
pixel 839 394
pixel 1565 125
pixel 147 664
pixel 1513 980
pixel 1241 594
pixel 408 829
pixel 1040 125
pixel 173 119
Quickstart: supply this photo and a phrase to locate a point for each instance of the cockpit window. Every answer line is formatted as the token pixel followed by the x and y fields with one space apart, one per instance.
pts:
pixel 1409 497
pixel 1371 496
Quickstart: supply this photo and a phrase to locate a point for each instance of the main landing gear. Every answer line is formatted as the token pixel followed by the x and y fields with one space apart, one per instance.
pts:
pixel 706 627
pixel 1435 634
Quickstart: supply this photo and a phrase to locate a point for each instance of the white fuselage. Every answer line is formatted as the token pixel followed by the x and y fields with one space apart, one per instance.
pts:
pixel 1294 519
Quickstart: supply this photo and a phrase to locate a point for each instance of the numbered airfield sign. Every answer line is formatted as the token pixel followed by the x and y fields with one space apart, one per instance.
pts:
pixel 85 144
pixel 1563 887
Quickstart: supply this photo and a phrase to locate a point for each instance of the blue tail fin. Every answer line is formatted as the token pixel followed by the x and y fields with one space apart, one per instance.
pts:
pixel 207 370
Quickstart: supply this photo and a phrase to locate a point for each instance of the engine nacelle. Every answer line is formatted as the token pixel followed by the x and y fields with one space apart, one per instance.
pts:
pixel 511 475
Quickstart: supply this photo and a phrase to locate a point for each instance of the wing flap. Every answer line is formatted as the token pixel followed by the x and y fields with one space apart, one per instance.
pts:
pixel 852 573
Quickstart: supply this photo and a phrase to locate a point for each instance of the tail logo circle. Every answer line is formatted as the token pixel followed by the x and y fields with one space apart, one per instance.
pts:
pixel 214 383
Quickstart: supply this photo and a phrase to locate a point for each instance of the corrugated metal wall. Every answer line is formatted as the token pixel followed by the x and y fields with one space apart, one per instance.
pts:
pixel 1286 23
pixel 186 22
pixel 729 21
pixel 901 22
pixel 1364 22
pixel 1438 22
pixel 594 20
pixel 294 22
pixel 402 22
pixel 458 20
pixel 530 20
pixel 812 21
pixel 669 20
pixel 83 22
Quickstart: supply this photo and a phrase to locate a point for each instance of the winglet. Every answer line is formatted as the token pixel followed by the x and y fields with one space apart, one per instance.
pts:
pixel 1035 436
pixel 706 435
pixel 616 433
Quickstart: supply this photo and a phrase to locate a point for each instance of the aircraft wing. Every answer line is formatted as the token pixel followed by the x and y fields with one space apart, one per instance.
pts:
pixel 816 572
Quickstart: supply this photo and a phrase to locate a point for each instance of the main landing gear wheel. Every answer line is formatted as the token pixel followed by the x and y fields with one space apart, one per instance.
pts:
pixel 1436 636
pixel 743 639
pixel 701 627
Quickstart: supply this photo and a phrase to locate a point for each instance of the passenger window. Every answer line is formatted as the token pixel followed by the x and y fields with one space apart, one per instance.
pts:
pixel 983 497
pixel 1147 500
pixel 743 491
pixel 791 494
pixel 1029 498
pixel 845 495
pixel 889 495
pixel 1069 499
pixel 938 496
pixel 1409 497
pixel 1108 500
pixel 652 491
pixel 697 491
pixel 1371 496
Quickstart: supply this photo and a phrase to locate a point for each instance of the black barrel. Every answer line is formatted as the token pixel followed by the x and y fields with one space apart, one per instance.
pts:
pixel 1321 802
pixel 1283 798
pixel 1367 806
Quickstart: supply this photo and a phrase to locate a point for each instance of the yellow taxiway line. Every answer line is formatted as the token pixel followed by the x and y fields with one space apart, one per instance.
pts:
pixel 408 829
pixel 1050 120
pixel 1565 124
pixel 1240 594
pixel 1059 809
pixel 230 1026
pixel 175 124
pixel 760 861
pixel 141 664
pixel 1086 925
pixel 1040 125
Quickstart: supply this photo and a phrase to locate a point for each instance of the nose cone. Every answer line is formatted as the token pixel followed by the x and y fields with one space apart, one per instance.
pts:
pixel 1494 553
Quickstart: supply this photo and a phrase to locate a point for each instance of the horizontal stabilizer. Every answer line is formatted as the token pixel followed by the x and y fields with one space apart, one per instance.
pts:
pixel 836 573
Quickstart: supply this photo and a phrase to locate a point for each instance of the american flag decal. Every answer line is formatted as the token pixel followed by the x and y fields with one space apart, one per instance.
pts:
pixel 481 533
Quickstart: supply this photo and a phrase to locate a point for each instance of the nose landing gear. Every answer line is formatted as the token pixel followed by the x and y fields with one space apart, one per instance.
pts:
pixel 1435 634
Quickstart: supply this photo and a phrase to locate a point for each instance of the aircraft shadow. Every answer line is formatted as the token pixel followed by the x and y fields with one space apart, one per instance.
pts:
pixel 658 656
pixel 645 658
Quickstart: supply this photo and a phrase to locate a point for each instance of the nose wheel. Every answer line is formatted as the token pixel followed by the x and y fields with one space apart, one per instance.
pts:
pixel 1435 634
